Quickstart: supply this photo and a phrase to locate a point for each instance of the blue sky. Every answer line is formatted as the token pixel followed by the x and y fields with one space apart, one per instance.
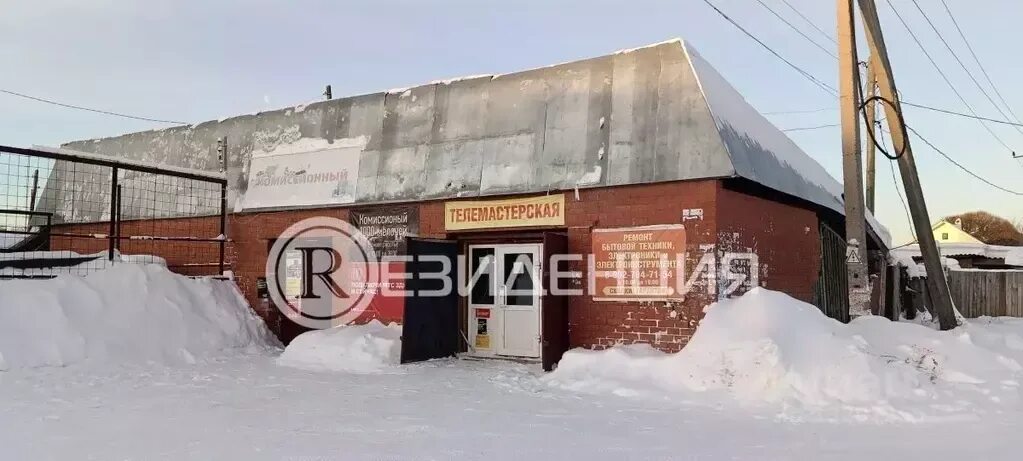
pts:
pixel 193 60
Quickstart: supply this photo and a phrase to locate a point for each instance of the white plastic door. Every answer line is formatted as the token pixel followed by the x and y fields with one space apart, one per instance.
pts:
pixel 518 300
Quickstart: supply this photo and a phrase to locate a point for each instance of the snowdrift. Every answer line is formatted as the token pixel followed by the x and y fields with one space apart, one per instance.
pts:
pixel 370 348
pixel 768 348
pixel 66 262
pixel 126 313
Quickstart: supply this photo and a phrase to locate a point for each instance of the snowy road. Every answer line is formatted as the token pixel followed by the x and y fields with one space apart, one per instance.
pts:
pixel 250 408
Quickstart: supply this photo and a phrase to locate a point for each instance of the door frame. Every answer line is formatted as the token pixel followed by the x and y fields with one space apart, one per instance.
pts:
pixel 499 292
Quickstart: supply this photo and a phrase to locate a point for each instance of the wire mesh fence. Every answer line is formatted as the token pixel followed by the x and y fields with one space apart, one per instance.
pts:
pixel 64 212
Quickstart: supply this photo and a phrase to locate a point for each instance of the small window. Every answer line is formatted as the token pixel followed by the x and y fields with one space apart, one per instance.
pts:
pixel 944 235
pixel 483 290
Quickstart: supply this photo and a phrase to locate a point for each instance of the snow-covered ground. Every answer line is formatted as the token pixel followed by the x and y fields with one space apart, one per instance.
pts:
pixel 369 348
pixel 136 313
pixel 764 378
pixel 768 349
pixel 248 407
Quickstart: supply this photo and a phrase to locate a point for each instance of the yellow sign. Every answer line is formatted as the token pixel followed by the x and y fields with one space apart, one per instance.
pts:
pixel 545 210
pixel 482 341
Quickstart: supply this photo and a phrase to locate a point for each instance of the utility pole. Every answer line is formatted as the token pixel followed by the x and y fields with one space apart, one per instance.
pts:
pixel 852 164
pixel 871 120
pixel 937 286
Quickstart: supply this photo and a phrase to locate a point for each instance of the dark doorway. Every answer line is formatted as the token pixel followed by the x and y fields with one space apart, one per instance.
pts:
pixel 430 326
pixel 554 314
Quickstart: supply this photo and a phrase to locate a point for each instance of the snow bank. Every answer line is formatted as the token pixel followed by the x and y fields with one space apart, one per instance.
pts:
pixel 370 348
pixel 767 347
pixel 126 313
pixel 88 262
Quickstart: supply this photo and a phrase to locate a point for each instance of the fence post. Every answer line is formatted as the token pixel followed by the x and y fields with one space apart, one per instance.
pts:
pixel 117 243
pixel 113 212
pixel 906 294
pixel 893 305
pixel 223 223
pixel 32 193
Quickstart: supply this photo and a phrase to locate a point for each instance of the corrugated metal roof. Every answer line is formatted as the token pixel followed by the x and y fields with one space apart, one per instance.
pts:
pixel 652 114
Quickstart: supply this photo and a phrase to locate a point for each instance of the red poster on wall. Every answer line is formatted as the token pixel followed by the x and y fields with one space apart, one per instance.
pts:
pixel 638 263
pixel 387 303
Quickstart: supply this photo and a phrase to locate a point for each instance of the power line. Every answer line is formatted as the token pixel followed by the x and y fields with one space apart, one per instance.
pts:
pixel 805 128
pixel 961 167
pixel 902 199
pixel 950 112
pixel 823 86
pixel 810 111
pixel 833 92
pixel 787 23
pixel 895 183
pixel 974 115
pixel 961 64
pixel 911 104
pixel 942 74
pixel 99 111
pixel 808 21
pixel 975 58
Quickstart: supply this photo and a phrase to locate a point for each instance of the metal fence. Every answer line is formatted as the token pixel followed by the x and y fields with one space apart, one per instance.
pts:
pixel 831 292
pixel 64 212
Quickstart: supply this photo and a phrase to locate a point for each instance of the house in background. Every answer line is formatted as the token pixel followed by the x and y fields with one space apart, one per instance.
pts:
pixel 968 251
pixel 946 232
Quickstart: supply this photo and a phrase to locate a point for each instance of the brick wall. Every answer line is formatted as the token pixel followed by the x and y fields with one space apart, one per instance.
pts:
pixel 600 324
pixel 784 236
pixel 251 234
pixel 189 258
pixel 592 324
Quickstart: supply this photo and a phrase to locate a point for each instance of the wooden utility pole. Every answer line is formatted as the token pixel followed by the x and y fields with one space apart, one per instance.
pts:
pixel 871 120
pixel 852 164
pixel 937 286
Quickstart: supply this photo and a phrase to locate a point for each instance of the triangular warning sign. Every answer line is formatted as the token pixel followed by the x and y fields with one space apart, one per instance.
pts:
pixel 852 256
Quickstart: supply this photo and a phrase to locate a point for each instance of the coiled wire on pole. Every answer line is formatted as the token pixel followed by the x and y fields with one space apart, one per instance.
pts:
pixel 902 127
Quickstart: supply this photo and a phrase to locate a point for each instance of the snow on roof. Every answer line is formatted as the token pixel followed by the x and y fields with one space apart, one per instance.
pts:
pixel 672 117
pixel 131 162
pixel 763 153
pixel 1013 256
pixel 448 81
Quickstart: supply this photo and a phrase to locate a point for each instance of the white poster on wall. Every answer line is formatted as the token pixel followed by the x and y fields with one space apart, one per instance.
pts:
pixel 308 172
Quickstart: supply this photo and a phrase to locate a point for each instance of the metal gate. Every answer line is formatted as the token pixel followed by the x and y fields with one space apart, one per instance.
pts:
pixel 831 292
pixel 89 210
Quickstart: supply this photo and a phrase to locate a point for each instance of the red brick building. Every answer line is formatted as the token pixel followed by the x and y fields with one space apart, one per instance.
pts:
pixel 619 143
